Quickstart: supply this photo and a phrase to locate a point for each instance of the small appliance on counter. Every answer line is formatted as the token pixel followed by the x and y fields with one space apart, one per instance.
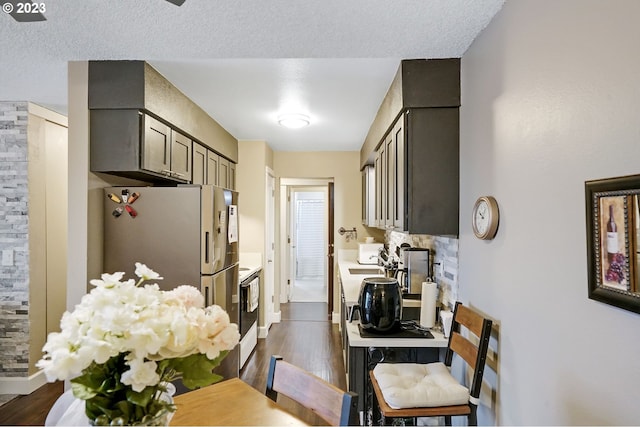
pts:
pixel 368 253
pixel 415 267
pixel 379 305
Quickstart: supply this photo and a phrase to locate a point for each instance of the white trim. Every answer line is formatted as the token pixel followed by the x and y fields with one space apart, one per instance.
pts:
pixel 269 270
pixel 284 246
pixel 22 385
pixel 277 317
pixel 315 182
pixel 335 317
pixel 263 331
pixel 285 185
pixel 47 114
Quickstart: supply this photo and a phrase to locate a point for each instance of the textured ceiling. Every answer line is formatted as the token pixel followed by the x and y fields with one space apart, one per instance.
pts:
pixel 246 61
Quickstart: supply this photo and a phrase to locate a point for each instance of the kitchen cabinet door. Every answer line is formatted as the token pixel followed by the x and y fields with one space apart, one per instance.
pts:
pixel 381 188
pixel 390 162
pixel 399 177
pixel 156 146
pixel 199 167
pixel 180 156
pixel 433 171
pixel 368 196
pixel 232 176
pixel 223 172
pixel 213 161
pixel 165 151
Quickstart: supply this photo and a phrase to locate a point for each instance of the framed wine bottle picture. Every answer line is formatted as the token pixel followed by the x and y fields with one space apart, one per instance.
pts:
pixel 612 240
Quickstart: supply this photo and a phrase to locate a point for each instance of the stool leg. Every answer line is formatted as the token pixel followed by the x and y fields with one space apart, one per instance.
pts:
pixel 473 418
pixel 447 420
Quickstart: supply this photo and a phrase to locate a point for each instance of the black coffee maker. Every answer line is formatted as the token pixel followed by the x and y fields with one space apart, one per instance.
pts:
pixel 379 305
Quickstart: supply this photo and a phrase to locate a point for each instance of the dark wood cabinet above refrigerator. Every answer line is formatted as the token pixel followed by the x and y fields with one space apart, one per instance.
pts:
pixel 135 145
pixel 143 127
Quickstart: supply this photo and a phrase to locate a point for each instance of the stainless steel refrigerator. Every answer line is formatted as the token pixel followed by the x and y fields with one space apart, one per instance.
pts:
pixel 188 234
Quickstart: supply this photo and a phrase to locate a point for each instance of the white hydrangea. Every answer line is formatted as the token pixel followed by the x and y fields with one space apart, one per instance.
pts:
pixel 140 375
pixel 144 322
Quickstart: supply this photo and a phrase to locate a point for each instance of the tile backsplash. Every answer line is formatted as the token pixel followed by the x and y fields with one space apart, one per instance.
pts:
pixel 444 257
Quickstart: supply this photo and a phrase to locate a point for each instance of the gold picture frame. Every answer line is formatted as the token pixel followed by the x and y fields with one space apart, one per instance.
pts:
pixel 612 233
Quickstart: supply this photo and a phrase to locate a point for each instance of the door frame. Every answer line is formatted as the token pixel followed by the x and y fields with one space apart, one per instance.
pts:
pixel 285 186
pixel 270 314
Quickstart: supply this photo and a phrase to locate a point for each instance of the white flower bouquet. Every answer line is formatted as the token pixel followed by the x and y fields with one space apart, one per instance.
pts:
pixel 125 342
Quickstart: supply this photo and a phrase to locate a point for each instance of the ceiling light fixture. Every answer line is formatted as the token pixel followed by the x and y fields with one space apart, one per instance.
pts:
pixel 294 121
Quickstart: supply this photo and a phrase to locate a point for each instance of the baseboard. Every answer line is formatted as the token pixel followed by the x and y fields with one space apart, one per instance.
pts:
pixel 335 317
pixel 277 317
pixel 22 385
pixel 263 331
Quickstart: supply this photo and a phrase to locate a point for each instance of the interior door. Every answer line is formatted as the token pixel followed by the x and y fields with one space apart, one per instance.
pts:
pixel 269 271
pixel 330 246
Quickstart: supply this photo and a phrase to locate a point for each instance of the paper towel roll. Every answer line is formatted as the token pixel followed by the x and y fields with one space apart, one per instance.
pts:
pixel 428 304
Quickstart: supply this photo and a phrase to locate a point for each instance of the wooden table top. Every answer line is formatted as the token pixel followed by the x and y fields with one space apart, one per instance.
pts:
pixel 230 403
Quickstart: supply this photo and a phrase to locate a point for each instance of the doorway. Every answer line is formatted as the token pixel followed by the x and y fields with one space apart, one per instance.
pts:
pixel 305 248
pixel 307 233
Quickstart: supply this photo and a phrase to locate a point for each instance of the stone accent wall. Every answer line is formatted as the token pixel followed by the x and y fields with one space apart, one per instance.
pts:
pixel 444 252
pixel 14 241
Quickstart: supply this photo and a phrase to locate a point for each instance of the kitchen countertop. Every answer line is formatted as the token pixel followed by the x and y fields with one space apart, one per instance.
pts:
pixel 351 282
pixel 348 259
pixel 355 340
pixel 250 263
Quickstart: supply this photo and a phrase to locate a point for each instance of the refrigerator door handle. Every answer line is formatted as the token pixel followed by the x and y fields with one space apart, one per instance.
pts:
pixel 206 247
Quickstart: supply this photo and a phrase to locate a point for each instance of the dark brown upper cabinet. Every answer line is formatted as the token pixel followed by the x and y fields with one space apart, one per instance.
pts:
pixel 413 145
pixel 143 127
pixel 135 145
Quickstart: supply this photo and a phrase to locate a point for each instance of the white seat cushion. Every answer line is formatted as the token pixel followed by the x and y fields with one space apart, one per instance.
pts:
pixel 416 385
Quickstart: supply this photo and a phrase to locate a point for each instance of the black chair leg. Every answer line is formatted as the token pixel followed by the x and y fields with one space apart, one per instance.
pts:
pixel 473 418
pixel 447 420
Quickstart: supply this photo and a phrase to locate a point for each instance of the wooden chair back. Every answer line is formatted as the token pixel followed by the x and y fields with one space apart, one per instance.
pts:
pixel 332 404
pixel 474 355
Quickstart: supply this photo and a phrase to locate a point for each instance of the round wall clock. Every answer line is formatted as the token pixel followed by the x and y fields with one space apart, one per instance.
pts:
pixel 485 218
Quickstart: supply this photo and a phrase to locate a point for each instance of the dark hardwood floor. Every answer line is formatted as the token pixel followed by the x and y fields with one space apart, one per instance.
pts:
pixel 304 337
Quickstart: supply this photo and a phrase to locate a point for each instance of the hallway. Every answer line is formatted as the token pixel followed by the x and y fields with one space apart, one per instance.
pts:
pixel 305 338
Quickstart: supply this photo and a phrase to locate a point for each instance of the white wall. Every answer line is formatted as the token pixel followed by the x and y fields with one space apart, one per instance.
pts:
pixel 550 99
